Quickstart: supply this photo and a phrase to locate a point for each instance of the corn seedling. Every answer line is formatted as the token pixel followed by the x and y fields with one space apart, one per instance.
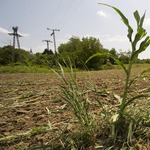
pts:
pixel 122 126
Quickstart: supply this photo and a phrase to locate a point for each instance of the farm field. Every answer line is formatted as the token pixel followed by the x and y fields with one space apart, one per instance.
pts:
pixel 29 101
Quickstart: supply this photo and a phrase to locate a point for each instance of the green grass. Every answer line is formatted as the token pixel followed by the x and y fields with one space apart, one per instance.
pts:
pixel 28 69
pixel 25 69
pixel 145 65
pixel 46 69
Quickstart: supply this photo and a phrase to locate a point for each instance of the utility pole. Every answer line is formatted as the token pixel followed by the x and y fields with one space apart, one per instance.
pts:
pixel 15 34
pixel 47 43
pixel 53 33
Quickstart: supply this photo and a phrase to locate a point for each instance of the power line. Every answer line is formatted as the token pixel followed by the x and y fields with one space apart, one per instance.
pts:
pixel 72 13
pixel 66 12
pixel 55 13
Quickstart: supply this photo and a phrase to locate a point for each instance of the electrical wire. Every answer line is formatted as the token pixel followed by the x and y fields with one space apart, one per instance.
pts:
pixel 66 13
pixel 55 13
pixel 71 14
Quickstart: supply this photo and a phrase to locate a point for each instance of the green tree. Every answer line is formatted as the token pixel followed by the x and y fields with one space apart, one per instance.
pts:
pixel 43 60
pixel 115 54
pixel 69 49
pixel 38 59
pixel 138 61
pixel 79 51
pixel 91 46
pixel 124 56
pixel 46 51
pixel 6 55
pixel 147 61
pixel 26 57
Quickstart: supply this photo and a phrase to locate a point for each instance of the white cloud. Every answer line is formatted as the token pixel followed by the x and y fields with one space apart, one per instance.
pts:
pixel 24 34
pixel 6 32
pixel 116 38
pixel 94 35
pixel 102 13
pixel 107 38
pixel 3 31
pixel 147 22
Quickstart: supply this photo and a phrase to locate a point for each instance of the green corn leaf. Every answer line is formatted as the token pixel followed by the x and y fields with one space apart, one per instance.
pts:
pixel 94 55
pixel 137 37
pixel 137 17
pixel 140 34
pixel 142 20
pixel 145 71
pixel 142 48
pixel 144 44
pixel 110 55
pixel 125 20
pixel 132 81
pixel 136 97
pixel 122 65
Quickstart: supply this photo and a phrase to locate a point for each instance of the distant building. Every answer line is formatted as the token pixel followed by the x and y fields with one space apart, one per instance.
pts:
pixel 31 52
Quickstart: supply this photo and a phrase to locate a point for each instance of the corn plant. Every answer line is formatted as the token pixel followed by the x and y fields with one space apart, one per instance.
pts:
pixel 120 122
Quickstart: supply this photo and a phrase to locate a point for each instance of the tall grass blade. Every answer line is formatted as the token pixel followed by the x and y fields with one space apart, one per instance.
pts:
pixel 130 133
pixel 11 141
pixel 60 76
pixel 62 70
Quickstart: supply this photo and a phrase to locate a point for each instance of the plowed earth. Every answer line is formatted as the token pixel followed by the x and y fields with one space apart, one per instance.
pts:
pixel 29 100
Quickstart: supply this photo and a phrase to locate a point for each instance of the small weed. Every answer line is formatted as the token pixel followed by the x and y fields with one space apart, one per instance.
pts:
pixel 108 66
pixel 77 98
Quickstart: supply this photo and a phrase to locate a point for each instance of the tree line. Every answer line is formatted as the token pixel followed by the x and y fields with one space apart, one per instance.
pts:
pixel 75 51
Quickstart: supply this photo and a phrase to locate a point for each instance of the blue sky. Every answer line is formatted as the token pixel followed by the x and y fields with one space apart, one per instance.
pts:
pixel 80 18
